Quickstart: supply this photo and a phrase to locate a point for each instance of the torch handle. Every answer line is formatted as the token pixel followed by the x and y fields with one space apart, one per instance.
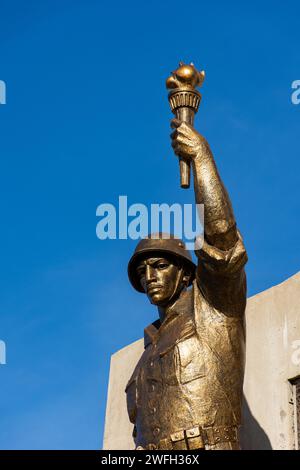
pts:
pixel 185 114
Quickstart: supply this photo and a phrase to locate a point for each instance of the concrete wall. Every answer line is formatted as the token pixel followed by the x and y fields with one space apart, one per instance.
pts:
pixel 273 359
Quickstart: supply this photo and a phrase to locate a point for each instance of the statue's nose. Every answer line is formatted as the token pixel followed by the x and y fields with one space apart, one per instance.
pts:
pixel 150 274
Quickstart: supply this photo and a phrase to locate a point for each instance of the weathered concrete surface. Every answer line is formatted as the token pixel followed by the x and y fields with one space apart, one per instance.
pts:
pixel 118 429
pixel 273 358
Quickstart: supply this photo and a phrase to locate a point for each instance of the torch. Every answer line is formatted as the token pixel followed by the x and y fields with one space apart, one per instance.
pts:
pixel 184 101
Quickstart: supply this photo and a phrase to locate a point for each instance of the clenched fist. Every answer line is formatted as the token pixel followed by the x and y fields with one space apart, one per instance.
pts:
pixel 186 142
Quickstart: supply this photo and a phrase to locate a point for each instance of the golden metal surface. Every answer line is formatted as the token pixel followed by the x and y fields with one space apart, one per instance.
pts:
pixel 184 101
pixel 186 390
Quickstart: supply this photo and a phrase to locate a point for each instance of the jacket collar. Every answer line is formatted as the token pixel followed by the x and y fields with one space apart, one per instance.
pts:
pixel 153 331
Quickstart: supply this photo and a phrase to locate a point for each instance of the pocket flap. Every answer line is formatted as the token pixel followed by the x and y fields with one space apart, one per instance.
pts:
pixel 192 361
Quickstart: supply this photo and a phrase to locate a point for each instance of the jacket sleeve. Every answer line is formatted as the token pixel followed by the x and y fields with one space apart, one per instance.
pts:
pixel 221 276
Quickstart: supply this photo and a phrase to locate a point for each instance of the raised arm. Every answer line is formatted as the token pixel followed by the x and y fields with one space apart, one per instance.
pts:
pixel 220 273
pixel 220 228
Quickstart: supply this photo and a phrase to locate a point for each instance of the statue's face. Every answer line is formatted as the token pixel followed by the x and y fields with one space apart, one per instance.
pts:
pixel 158 277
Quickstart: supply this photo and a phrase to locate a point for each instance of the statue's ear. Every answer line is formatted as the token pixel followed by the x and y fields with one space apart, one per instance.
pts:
pixel 186 278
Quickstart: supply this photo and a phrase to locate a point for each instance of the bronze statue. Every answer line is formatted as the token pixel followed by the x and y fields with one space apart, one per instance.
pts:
pixel 186 390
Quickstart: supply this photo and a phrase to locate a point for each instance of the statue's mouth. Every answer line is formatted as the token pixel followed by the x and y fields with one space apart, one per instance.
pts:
pixel 153 289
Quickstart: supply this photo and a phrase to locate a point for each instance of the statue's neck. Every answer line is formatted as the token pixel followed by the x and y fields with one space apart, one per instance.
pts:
pixel 165 311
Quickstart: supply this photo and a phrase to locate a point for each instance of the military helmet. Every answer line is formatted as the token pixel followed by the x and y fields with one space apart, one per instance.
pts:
pixel 158 243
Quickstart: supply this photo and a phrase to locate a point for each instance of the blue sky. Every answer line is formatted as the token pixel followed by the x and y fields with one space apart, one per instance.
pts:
pixel 87 120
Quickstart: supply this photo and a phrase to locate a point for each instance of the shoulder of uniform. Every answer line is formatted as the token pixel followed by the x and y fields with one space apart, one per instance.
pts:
pixel 150 332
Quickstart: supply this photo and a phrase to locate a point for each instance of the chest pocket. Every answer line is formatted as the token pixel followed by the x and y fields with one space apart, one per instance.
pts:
pixel 192 360
pixel 169 364
pixel 183 362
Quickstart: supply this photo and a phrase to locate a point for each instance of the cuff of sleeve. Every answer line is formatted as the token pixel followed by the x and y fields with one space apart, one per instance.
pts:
pixel 223 262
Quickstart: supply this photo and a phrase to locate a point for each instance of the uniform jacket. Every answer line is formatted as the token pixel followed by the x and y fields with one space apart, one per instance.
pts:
pixel 191 372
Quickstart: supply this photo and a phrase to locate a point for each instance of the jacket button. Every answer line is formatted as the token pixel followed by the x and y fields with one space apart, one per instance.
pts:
pixel 153 410
pixel 156 431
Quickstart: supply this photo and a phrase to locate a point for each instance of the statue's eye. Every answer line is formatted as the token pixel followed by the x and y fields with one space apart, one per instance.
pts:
pixel 162 265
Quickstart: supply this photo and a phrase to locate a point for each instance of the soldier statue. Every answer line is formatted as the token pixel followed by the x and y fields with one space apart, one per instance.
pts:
pixel 186 390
